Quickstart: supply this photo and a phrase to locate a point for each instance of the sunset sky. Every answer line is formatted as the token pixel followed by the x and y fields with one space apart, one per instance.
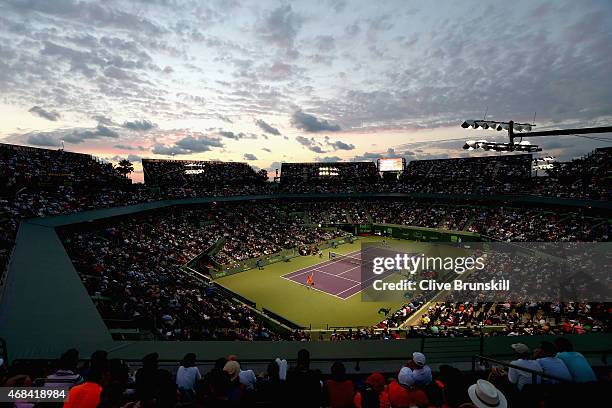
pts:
pixel 319 80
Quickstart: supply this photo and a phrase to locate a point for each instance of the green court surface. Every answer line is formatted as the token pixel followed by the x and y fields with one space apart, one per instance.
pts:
pixel 311 308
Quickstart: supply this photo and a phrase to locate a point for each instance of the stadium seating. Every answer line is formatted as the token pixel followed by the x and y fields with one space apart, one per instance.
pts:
pixel 229 382
pixel 149 247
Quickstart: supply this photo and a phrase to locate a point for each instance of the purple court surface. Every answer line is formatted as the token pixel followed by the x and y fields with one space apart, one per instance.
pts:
pixel 337 277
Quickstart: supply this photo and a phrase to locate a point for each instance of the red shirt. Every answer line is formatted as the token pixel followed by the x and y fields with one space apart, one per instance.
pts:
pixel 401 397
pixel 84 396
pixel 340 393
pixel 383 397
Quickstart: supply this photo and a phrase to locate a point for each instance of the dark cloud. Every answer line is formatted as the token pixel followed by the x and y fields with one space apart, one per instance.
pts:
pixel 140 125
pixel 189 144
pixel 42 139
pixel 236 136
pixel 325 43
pixel 128 147
pixel 328 159
pixel 267 127
pixel 311 144
pixel 368 156
pixel 309 123
pixel 265 149
pixel 280 27
pixel 316 149
pixel 130 157
pixel 249 156
pixel 43 113
pixel 103 120
pixel 99 132
pixel 89 14
pixel 74 136
pixel 340 145
pixel 224 118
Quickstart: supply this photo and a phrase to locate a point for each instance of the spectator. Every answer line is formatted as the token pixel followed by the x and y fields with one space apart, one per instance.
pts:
pixel 187 377
pixel 420 371
pixel 271 387
pixel 87 395
pixel 578 366
pixel 484 395
pixel 373 393
pixel 236 390
pixel 551 364
pixel 148 378
pixel 520 377
pixel 66 376
pixel 340 390
pixel 403 393
pixel 304 384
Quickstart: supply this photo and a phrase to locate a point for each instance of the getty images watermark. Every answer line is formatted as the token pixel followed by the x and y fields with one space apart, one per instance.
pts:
pixel 406 264
pixel 486 271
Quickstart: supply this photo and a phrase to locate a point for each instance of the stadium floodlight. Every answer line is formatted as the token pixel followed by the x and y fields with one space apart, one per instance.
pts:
pixel 470 145
pixel 475 125
pixel 485 125
pixel 518 127
pixel 465 125
pixel 527 128
pixel 499 128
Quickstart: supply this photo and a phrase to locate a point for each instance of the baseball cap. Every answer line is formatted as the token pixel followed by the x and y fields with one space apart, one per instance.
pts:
pixel 405 377
pixel 520 348
pixel 418 358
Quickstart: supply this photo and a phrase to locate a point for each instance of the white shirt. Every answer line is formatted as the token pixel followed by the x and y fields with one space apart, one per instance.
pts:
pixel 248 379
pixel 186 377
pixel 520 377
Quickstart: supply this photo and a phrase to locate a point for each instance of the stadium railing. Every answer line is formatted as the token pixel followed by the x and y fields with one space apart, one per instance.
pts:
pixel 534 374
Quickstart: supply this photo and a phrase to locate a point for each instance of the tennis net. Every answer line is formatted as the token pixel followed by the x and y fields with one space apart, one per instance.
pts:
pixel 345 258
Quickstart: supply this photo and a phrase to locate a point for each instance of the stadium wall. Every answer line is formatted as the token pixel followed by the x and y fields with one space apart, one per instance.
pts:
pixel 425 234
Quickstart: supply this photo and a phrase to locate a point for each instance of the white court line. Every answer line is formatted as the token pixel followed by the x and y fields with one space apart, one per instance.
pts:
pixel 354 286
pixel 323 264
pixel 341 277
pixel 310 268
pixel 318 290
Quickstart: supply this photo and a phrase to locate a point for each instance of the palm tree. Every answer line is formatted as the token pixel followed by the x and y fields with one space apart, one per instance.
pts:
pixel 125 167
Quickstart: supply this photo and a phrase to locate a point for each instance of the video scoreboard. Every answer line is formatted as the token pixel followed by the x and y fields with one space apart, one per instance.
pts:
pixel 392 164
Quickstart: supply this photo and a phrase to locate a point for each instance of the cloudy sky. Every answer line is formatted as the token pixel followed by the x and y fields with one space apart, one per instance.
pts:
pixel 273 81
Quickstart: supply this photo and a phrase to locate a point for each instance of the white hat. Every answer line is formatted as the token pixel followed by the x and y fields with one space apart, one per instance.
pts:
pixel 484 395
pixel 405 377
pixel 418 358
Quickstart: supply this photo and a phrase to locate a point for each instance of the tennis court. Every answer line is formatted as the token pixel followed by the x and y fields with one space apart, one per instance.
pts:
pixel 339 277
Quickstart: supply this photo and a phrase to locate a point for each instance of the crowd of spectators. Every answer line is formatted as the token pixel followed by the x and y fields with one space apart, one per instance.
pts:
pixel 132 268
pixel 338 177
pixel 197 173
pixel 503 223
pixel 40 182
pixel 103 382
pixel 587 177
pixel 447 319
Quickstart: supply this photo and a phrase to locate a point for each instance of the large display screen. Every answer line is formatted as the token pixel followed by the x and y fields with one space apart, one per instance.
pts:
pixel 391 164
